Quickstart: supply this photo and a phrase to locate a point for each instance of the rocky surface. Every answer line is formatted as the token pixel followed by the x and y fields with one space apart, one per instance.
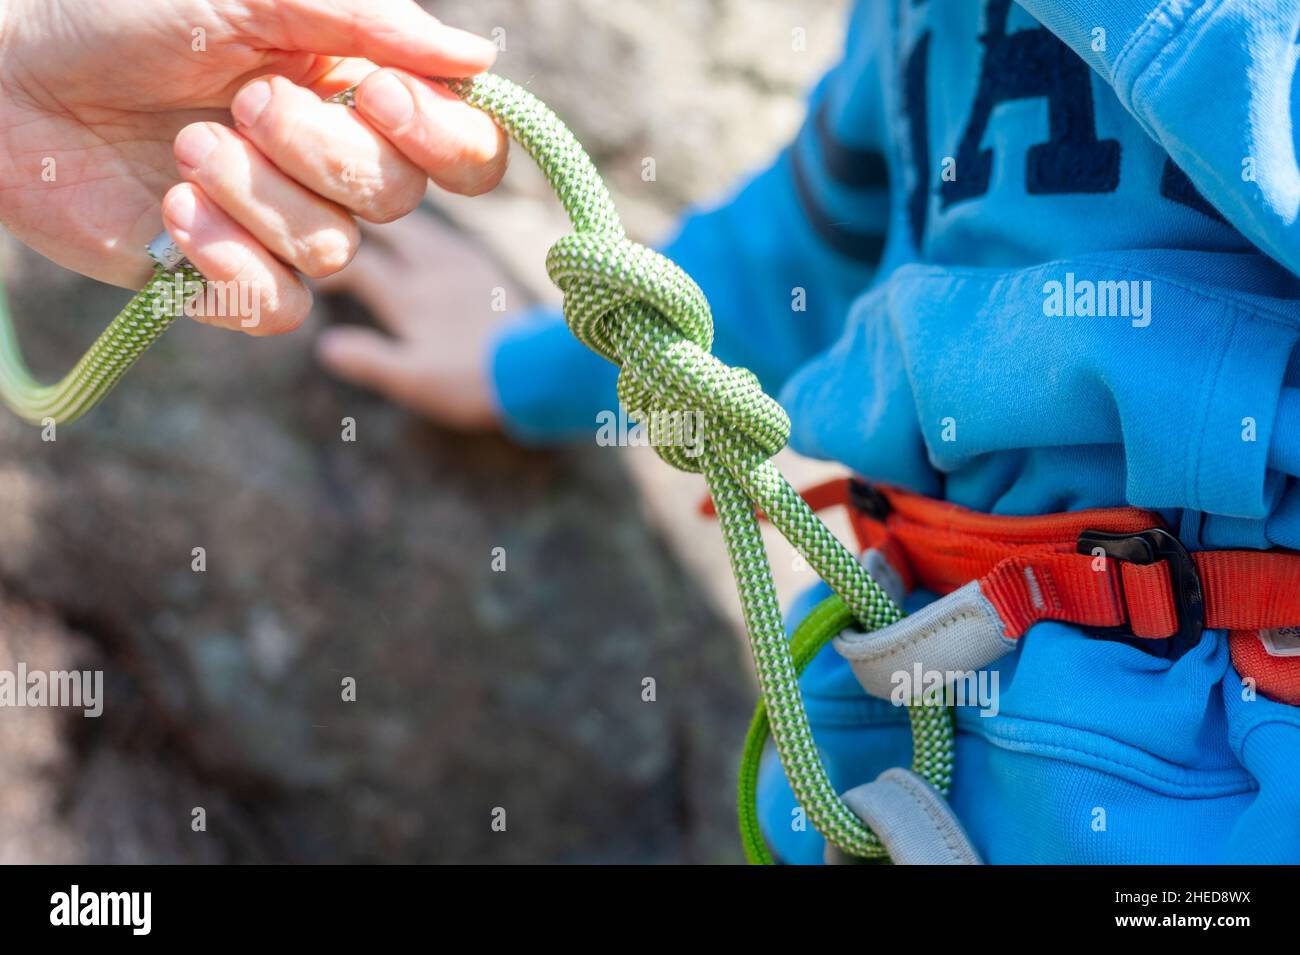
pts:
pixel 378 560
pixel 325 560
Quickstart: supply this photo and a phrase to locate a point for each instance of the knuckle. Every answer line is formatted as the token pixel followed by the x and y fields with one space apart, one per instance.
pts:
pixel 282 118
pixel 485 179
pixel 233 263
pixel 387 198
pixel 480 165
pixel 328 250
pixel 284 308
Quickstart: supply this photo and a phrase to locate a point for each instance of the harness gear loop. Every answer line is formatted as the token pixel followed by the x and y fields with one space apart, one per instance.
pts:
pixel 916 823
pixel 643 313
pixel 932 730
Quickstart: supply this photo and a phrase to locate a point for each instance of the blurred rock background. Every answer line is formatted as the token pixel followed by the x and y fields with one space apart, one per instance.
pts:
pixel 372 559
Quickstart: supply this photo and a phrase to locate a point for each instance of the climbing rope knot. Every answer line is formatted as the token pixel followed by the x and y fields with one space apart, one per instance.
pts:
pixel 638 309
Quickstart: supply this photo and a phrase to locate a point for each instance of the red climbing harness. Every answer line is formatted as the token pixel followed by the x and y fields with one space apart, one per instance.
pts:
pixel 1117 570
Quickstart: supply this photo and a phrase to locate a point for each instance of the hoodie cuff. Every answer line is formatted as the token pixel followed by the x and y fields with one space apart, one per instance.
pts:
pixel 547 386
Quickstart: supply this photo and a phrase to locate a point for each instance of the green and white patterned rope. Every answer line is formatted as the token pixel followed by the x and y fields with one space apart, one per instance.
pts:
pixel 149 313
pixel 640 311
pixel 931 748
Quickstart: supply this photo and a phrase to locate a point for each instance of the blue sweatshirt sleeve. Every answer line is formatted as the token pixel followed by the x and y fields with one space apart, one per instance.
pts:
pixel 1212 82
pixel 780 262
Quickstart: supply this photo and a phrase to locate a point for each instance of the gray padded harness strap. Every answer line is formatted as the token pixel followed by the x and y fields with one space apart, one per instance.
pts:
pixel 956 634
pixel 913 821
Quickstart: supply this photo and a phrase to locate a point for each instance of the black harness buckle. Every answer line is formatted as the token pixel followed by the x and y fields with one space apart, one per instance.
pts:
pixel 1148 547
pixel 868 499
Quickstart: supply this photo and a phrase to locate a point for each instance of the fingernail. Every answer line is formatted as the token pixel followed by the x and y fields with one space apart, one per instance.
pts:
pixel 387 100
pixel 193 145
pixel 181 210
pixel 250 102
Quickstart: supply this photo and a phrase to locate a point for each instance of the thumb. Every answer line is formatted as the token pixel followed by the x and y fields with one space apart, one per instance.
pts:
pixel 366 357
pixel 387 32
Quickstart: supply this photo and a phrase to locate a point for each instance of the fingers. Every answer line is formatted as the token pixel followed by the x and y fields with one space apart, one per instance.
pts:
pixel 457 395
pixel 315 236
pixel 393 32
pixel 278 192
pixel 328 149
pixel 249 289
pixel 457 146
pixel 366 357
pixel 372 275
pixel 335 78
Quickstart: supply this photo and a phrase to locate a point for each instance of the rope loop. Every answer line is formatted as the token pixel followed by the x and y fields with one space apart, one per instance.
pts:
pixel 597 272
pixel 640 311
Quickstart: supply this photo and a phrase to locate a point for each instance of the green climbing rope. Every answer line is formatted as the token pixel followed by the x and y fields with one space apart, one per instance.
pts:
pixel 127 337
pixel 640 311
pixel 931 742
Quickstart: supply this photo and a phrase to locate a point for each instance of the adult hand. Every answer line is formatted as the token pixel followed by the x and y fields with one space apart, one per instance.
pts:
pixel 103 102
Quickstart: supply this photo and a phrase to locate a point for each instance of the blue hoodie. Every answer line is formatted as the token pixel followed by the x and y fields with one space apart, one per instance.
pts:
pixel 1030 258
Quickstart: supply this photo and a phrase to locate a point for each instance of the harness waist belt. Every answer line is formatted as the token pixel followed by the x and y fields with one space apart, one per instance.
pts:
pixel 1078 567
pixel 1116 570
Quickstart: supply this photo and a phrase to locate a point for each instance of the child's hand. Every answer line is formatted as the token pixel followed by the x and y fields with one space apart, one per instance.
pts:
pixel 434 292
pixel 103 101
